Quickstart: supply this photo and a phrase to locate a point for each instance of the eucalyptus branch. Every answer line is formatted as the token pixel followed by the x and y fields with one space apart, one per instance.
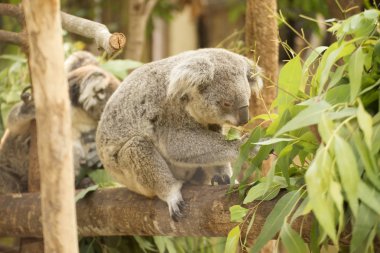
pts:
pixel 90 29
pixel 14 38
pixel 12 10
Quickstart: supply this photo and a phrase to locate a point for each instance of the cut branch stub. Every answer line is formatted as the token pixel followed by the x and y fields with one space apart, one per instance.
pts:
pixel 117 41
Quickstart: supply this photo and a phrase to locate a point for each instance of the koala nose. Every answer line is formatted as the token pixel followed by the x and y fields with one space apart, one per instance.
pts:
pixel 243 114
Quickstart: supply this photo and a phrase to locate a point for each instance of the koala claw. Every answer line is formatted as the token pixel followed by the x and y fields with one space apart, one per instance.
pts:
pixel 220 179
pixel 176 206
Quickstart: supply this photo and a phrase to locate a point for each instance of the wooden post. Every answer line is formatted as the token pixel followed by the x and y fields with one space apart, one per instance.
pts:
pixel 53 119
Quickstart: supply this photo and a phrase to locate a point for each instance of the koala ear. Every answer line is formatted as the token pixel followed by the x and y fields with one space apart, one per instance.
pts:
pixel 188 75
pixel 254 74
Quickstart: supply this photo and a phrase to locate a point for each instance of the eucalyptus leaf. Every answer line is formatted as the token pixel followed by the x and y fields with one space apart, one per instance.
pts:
pixel 369 196
pixel 84 192
pixel 232 240
pixel 261 191
pixel 355 71
pixel 275 219
pixel 238 213
pixel 289 82
pixel 310 116
pixel 348 172
pixel 292 240
pixel 365 123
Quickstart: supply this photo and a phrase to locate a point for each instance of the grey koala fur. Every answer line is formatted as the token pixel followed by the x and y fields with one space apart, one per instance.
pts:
pixel 89 89
pixel 155 132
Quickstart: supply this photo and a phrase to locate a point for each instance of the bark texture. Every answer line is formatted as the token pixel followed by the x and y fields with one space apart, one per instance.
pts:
pixel 138 14
pixel 261 39
pixel 99 32
pixel 118 211
pixel 54 125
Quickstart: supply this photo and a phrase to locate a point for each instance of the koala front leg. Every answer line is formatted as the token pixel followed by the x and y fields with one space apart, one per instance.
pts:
pixel 146 172
pixel 200 147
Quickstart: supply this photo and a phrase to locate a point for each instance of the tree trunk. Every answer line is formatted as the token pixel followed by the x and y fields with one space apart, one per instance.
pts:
pixel 138 14
pixel 261 39
pixel 53 125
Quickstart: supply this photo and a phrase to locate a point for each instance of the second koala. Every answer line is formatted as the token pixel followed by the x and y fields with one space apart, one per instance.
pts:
pixel 157 128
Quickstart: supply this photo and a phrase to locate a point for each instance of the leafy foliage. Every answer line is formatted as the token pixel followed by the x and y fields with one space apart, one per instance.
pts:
pixel 326 141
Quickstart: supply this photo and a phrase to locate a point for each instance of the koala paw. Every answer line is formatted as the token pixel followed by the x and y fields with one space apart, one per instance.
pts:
pixel 220 179
pixel 176 205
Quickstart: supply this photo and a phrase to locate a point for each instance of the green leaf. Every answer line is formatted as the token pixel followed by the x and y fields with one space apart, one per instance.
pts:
pixel 289 82
pixel 365 124
pixel 361 232
pixel 318 178
pixel 120 68
pixel 273 141
pixel 276 219
pixel 101 177
pixel 338 94
pixel 333 54
pixel 238 213
pixel 292 240
pixel 84 192
pixel 348 172
pixel 261 191
pixel 310 116
pixel 335 192
pixel 369 196
pixel 355 71
pixel 326 128
pixel 233 134
pixel 232 240
pixel 160 243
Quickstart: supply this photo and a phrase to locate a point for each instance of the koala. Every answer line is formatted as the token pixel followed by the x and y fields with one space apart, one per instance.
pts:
pixel 163 123
pixel 89 88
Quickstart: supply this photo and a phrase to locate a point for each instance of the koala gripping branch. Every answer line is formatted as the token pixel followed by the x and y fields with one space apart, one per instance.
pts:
pixel 118 211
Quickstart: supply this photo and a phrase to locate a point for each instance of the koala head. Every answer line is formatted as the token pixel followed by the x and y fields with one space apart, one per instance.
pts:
pixel 216 88
pixel 79 59
pixel 90 88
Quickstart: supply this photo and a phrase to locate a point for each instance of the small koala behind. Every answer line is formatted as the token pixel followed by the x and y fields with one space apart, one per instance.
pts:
pixel 89 89
pixel 155 131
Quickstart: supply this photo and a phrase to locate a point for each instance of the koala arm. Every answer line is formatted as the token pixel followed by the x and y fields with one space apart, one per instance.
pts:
pixel 201 147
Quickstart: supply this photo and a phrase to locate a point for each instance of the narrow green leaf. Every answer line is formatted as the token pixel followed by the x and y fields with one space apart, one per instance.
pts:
pixel 238 213
pixel 310 116
pixel 273 141
pixel 338 94
pixel 289 82
pixel 369 196
pixel 365 124
pixel 318 178
pixel 160 243
pixel 335 192
pixel 325 128
pixel 348 172
pixel 367 221
pixel 233 134
pixel 275 219
pixel 260 191
pixel 84 192
pixel 292 240
pixel 355 71
pixel 335 54
pixel 232 240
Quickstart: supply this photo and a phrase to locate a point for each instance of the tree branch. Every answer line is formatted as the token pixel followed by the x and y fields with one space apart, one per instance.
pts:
pixel 14 38
pixel 90 29
pixel 12 10
pixel 83 27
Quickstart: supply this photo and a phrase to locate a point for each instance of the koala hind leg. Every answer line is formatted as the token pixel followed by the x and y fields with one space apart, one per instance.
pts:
pixel 146 172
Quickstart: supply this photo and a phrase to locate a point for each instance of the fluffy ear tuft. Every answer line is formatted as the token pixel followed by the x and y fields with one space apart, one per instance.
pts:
pixel 254 77
pixel 188 75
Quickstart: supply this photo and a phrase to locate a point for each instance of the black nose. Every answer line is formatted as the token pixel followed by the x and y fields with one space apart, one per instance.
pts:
pixel 243 114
